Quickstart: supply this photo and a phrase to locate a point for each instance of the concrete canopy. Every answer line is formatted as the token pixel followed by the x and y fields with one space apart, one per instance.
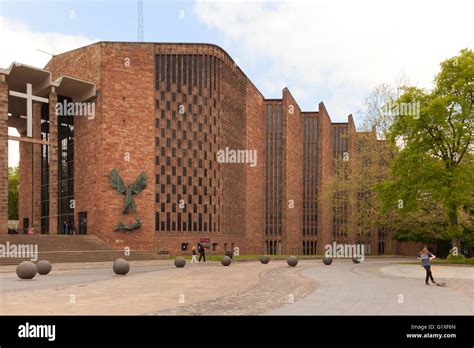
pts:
pixel 19 75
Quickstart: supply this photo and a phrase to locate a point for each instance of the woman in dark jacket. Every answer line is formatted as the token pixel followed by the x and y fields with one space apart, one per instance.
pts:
pixel 202 253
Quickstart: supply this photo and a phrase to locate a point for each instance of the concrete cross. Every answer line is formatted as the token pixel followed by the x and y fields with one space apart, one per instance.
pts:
pixel 29 106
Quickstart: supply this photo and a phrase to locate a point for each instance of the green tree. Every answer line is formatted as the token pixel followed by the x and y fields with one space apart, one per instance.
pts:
pixel 354 182
pixel 434 131
pixel 13 195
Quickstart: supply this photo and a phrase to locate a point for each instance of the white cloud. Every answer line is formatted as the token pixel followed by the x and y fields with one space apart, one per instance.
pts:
pixel 342 47
pixel 20 43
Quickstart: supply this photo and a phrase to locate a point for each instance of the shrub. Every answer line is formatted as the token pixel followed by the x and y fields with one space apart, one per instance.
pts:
pixel 458 257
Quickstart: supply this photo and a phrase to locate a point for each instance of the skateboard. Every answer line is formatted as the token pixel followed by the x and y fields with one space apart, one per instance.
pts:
pixel 443 284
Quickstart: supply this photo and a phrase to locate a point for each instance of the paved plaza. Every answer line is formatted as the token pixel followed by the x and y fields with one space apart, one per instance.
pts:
pixel 378 286
pixel 383 287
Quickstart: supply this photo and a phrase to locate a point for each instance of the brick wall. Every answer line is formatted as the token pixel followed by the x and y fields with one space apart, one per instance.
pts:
pixel 128 110
pixel 412 248
pixel 83 63
pixel 255 176
pixel 231 122
pixel 125 123
pixel 221 96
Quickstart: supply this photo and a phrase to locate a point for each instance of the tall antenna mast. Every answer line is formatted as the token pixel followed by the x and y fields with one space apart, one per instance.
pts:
pixel 140 35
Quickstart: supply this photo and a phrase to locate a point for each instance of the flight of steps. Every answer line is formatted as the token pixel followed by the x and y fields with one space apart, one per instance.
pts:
pixel 67 248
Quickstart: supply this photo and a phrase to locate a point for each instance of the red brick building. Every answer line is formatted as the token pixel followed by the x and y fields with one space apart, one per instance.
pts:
pixel 167 110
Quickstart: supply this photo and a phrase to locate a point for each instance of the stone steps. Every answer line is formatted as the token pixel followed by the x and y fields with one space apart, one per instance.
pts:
pixel 66 249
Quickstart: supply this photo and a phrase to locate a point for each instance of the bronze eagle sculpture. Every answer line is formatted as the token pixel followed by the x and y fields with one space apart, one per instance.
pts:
pixel 135 188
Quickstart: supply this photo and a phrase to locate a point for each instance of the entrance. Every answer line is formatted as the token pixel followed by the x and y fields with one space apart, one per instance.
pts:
pixel 26 225
pixel 82 222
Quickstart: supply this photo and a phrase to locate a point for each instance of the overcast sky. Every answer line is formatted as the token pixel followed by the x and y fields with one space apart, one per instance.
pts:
pixel 333 51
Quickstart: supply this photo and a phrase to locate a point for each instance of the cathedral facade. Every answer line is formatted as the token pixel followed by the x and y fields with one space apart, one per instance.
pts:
pixel 161 146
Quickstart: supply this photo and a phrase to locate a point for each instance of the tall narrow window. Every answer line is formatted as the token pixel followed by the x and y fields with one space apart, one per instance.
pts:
pixel 168 73
pixel 185 69
pixel 45 169
pixel 65 170
pixel 173 68
pixel 179 72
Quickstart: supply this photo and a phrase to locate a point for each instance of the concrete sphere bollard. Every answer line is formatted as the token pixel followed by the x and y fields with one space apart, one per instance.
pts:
pixel 121 266
pixel 179 262
pixel 327 260
pixel 26 270
pixel 264 259
pixel 226 260
pixel 292 261
pixel 44 267
pixel 356 259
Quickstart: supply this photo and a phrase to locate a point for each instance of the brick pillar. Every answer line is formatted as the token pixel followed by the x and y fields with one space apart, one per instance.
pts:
pixel 53 163
pixel 292 175
pixel 36 170
pixel 255 176
pixel 325 171
pixel 353 167
pixel 3 155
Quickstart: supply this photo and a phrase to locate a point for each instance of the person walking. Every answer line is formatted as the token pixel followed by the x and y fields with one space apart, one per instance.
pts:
pixel 65 227
pixel 194 253
pixel 202 253
pixel 71 228
pixel 426 256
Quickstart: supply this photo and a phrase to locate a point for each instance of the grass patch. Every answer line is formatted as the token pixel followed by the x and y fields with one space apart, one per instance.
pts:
pixel 466 261
pixel 218 257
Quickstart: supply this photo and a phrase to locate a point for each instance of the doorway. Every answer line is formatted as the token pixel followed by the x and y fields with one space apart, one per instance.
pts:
pixel 82 216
